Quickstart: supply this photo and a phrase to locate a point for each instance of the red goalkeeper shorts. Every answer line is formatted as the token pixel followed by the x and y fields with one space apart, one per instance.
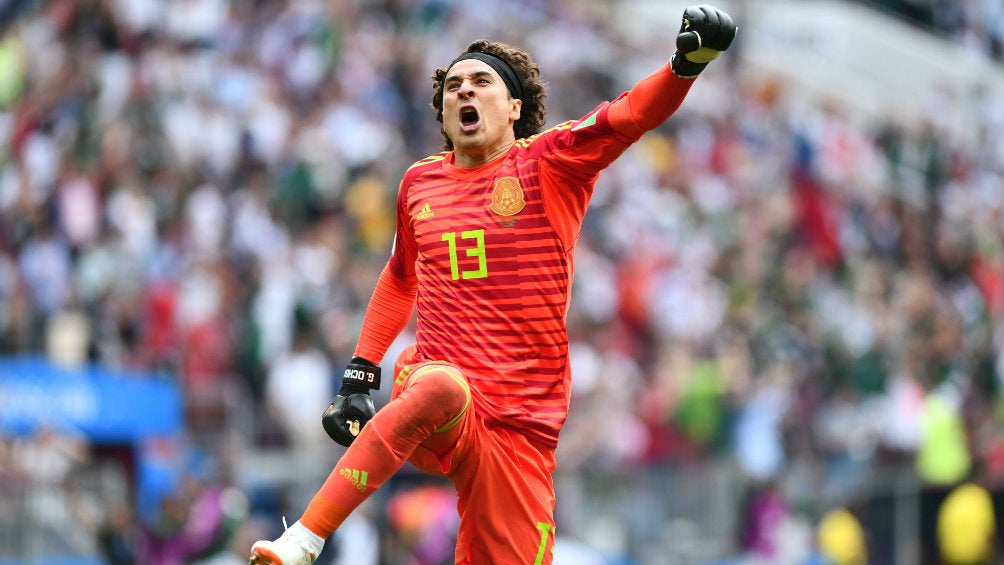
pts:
pixel 504 481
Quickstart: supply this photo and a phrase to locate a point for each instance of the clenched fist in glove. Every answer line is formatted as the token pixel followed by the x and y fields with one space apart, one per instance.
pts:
pixel 353 406
pixel 705 32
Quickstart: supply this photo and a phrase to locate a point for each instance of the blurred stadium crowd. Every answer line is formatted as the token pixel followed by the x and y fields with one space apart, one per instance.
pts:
pixel 205 188
pixel 978 25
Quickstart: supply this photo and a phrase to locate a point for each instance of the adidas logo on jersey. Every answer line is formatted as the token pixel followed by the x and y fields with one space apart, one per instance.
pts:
pixel 426 213
pixel 356 477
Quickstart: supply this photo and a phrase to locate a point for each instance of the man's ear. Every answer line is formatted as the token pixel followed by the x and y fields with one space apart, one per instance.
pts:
pixel 516 108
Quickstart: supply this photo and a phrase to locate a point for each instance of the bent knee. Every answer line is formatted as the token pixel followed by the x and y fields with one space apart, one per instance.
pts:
pixel 444 392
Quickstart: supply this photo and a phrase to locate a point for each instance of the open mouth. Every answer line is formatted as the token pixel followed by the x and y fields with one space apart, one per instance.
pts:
pixel 469 119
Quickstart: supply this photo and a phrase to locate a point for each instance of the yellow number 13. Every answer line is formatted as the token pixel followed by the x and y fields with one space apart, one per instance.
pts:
pixel 477 249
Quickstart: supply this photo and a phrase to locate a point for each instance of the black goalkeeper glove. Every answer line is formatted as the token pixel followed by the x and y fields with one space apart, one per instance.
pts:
pixel 705 32
pixel 352 407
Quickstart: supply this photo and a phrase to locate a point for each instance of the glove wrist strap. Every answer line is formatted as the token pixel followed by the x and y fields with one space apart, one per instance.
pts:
pixel 360 377
pixel 685 68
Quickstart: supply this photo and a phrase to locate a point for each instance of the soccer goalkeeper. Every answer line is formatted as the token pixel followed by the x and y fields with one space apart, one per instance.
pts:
pixel 486 232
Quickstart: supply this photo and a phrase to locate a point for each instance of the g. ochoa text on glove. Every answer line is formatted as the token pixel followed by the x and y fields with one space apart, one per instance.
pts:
pixel 364 376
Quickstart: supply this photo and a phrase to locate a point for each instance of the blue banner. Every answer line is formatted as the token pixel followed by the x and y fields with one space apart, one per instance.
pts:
pixel 106 405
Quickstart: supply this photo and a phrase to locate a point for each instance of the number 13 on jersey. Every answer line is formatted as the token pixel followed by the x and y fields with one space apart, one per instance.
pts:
pixel 475 248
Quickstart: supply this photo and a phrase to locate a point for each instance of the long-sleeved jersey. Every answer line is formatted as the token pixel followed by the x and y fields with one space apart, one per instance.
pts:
pixel 485 255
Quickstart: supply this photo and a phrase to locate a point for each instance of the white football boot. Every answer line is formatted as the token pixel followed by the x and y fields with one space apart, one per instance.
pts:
pixel 296 546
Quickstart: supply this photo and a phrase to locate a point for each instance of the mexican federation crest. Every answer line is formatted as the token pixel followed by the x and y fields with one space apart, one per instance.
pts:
pixel 507 197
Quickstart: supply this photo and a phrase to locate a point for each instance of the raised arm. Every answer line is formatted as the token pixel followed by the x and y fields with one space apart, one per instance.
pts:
pixel 704 33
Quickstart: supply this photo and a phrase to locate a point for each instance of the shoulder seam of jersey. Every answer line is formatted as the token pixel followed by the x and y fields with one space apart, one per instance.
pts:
pixel 430 159
pixel 525 142
pixel 413 172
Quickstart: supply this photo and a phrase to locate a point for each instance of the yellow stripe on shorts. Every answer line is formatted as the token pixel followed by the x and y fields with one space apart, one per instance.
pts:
pixel 457 377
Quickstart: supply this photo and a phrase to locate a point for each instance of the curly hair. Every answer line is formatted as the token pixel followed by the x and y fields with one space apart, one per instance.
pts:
pixel 531 120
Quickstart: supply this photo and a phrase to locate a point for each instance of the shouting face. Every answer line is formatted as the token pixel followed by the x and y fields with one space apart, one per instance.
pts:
pixel 478 113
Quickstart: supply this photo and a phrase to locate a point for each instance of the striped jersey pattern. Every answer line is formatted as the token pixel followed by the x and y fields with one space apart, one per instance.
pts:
pixel 491 249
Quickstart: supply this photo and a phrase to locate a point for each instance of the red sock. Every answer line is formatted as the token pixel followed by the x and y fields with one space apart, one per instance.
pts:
pixel 381 449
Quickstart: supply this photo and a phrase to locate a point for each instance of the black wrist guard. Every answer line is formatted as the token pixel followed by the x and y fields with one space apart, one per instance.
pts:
pixel 361 376
pixel 685 68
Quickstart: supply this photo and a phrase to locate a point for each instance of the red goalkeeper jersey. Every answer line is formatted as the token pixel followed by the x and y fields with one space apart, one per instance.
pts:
pixel 487 254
